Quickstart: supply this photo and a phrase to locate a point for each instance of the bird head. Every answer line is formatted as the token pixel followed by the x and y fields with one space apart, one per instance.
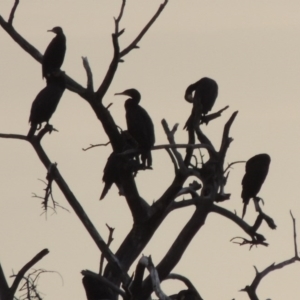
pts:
pixel 57 30
pixel 132 93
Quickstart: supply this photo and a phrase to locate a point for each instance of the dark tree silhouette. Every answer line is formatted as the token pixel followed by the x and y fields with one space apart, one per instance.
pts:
pixel 206 193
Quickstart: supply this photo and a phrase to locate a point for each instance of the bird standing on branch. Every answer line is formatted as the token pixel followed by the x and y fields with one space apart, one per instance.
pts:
pixel 257 168
pixel 139 125
pixel 55 53
pixel 203 95
pixel 46 101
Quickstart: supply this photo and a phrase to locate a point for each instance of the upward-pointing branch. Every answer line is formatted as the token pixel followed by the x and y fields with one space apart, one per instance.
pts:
pixel 134 43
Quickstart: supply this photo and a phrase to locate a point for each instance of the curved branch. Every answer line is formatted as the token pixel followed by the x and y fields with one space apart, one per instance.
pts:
pixel 240 222
pixel 180 244
pixel 22 272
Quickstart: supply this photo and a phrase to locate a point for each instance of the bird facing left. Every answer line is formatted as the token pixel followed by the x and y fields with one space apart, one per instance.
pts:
pixel 55 52
pixel 46 101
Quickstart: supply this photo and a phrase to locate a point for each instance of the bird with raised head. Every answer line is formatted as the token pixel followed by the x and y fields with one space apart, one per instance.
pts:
pixel 203 95
pixel 46 101
pixel 257 168
pixel 139 125
pixel 55 52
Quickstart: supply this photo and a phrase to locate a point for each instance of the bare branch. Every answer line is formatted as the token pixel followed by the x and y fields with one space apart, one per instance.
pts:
pixel 295 235
pixel 12 13
pixel 86 65
pixel 251 290
pixel 147 262
pixel 256 237
pixel 185 280
pixel 133 45
pixel 118 19
pixel 206 119
pixel 233 163
pixel 225 139
pixel 110 240
pixel 170 136
pixel 96 145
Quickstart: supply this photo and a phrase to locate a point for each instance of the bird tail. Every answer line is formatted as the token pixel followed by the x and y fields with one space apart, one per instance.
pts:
pixel 246 202
pixel 105 190
pixel 32 130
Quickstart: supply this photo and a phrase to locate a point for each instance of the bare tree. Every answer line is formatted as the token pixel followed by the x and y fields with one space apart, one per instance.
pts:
pixel 205 195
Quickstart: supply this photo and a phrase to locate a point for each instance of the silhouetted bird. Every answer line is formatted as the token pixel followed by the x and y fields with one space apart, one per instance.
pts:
pixel 46 101
pixel 205 94
pixel 111 174
pixel 139 125
pixel 54 55
pixel 257 168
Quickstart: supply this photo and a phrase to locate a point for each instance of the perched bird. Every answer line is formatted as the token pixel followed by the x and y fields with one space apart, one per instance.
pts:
pixel 54 55
pixel 139 125
pixel 46 101
pixel 257 168
pixel 111 174
pixel 205 94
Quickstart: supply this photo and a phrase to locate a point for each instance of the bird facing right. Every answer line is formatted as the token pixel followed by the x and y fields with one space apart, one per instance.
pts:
pixel 257 168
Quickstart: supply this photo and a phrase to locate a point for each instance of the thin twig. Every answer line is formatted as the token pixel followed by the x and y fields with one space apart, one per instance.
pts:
pixel 89 74
pixel 96 145
pixel 233 163
pixel 12 13
pixel 109 241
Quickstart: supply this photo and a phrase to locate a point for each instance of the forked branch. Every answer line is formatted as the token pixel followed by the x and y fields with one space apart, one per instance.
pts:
pixel 12 13
pixel 134 43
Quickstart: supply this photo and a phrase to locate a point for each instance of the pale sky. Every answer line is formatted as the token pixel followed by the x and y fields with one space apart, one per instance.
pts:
pixel 251 48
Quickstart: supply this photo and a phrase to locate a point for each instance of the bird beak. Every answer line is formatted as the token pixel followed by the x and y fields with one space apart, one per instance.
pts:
pixel 50 30
pixel 116 94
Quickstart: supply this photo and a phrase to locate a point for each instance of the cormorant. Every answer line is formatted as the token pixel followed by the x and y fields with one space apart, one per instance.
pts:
pixel 111 174
pixel 139 125
pixel 54 55
pixel 205 94
pixel 46 101
pixel 257 168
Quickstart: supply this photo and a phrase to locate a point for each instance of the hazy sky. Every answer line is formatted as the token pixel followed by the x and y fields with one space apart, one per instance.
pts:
pixel 251 48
